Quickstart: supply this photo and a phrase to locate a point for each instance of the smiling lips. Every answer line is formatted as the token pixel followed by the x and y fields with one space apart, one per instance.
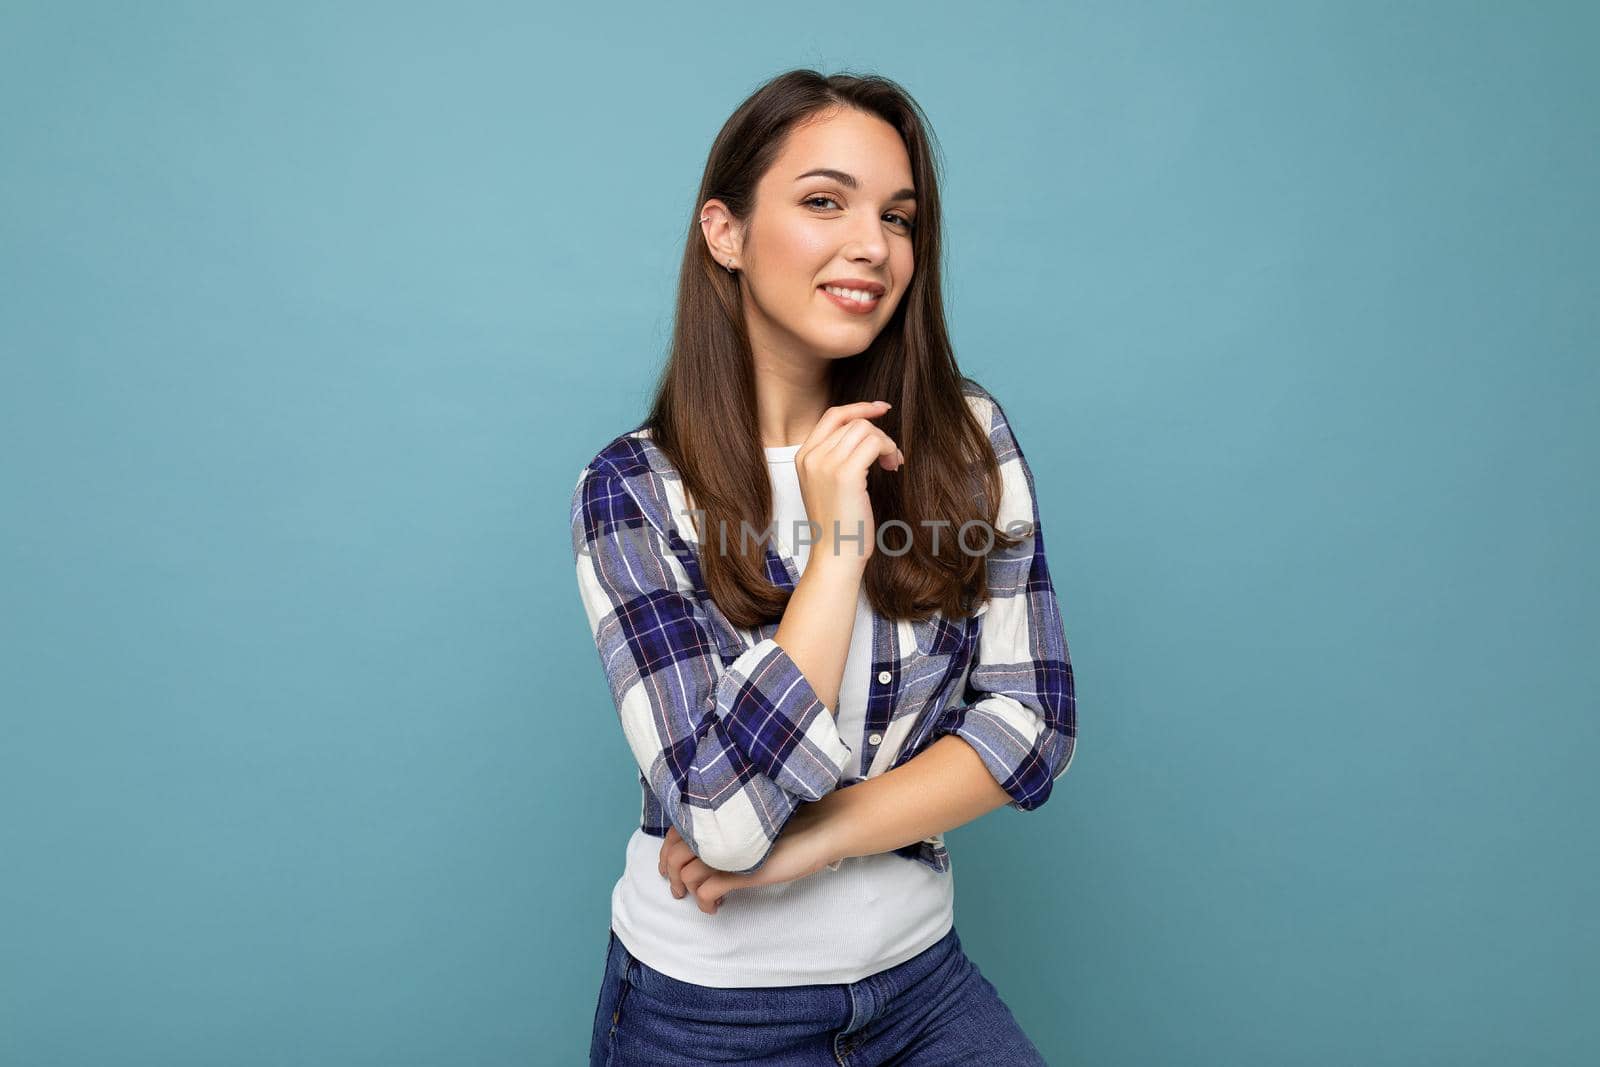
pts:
pixel 855 297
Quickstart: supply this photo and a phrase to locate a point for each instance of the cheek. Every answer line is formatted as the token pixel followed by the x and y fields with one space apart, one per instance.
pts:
pixel 794 259
pixel 904 265
pixel 808 247
pixel 796 243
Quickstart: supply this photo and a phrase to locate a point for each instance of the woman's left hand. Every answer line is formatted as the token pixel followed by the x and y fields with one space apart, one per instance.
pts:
pixel 805 846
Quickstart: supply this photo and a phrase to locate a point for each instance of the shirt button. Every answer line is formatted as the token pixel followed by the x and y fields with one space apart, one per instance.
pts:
pixel 876 739
pixel 884 677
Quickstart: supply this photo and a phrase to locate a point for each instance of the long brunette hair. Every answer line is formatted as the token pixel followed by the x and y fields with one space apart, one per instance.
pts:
pixel 704 412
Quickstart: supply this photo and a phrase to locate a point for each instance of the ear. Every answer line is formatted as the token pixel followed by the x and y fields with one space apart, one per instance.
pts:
pixel 723 235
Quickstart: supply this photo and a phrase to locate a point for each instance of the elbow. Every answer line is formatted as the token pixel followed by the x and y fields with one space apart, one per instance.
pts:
pixel 1031 795
pixel 1066 744
pixel 747 864
pixel 1025 746
pixel 1029 799
pixel 730 848
pixel 745 860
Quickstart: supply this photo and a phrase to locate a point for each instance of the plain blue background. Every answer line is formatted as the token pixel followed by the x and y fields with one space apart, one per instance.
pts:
pixel 311 314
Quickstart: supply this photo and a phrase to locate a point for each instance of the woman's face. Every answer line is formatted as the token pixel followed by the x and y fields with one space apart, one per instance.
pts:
pixel 849 223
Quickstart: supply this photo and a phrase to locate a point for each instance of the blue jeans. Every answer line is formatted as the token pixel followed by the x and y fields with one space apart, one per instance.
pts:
pixel 935 1008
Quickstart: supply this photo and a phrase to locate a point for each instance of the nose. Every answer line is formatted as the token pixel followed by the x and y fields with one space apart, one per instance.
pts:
pixel 869 244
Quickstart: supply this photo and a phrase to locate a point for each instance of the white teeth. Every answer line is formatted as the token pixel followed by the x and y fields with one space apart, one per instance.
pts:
pixel 858 295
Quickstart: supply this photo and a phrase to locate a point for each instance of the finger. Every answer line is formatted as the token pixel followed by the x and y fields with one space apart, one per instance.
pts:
pixel 893 457
pixel 840 440
pixel 678 857
pixel 696 872
pixel 696 875
pixel 837 416
pixel 709 894
pixel 839 444
pixel 873 449
pixel 890 457
pixel 667 841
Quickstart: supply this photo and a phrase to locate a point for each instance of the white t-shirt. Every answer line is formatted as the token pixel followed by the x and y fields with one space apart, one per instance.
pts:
pixel 833 927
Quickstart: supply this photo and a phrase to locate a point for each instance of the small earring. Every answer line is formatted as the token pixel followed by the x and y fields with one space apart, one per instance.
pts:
pixel 727 266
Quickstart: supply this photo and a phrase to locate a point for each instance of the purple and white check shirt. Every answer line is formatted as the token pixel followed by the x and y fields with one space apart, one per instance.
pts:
pixel 728 735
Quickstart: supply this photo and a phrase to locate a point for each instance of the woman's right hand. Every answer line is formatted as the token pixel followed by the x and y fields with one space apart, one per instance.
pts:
pixel 832 464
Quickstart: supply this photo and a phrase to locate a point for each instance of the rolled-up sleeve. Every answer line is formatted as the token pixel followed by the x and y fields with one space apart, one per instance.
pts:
pixel 730 750
pixel 1019 708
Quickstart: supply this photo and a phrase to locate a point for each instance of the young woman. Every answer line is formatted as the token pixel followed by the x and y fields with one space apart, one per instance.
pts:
pixel 823 654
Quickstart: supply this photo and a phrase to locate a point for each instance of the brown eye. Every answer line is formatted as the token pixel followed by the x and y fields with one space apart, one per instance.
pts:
pixel 900 220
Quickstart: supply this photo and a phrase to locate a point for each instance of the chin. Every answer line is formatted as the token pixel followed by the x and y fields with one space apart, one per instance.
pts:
pixel 843 347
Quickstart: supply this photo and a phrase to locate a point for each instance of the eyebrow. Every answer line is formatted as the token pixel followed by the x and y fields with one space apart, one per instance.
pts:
pixel 849 182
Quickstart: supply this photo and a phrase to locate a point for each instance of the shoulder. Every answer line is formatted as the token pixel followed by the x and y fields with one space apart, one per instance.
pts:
pixel 992 417
pixel 631 473
pixel 1017 501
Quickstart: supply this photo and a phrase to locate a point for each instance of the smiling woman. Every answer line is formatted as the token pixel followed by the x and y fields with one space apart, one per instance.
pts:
pixel 809 713
pixel 776 246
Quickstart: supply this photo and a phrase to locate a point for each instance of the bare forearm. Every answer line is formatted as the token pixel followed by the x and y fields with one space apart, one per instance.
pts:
pixel 944 786
pixel 818 621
